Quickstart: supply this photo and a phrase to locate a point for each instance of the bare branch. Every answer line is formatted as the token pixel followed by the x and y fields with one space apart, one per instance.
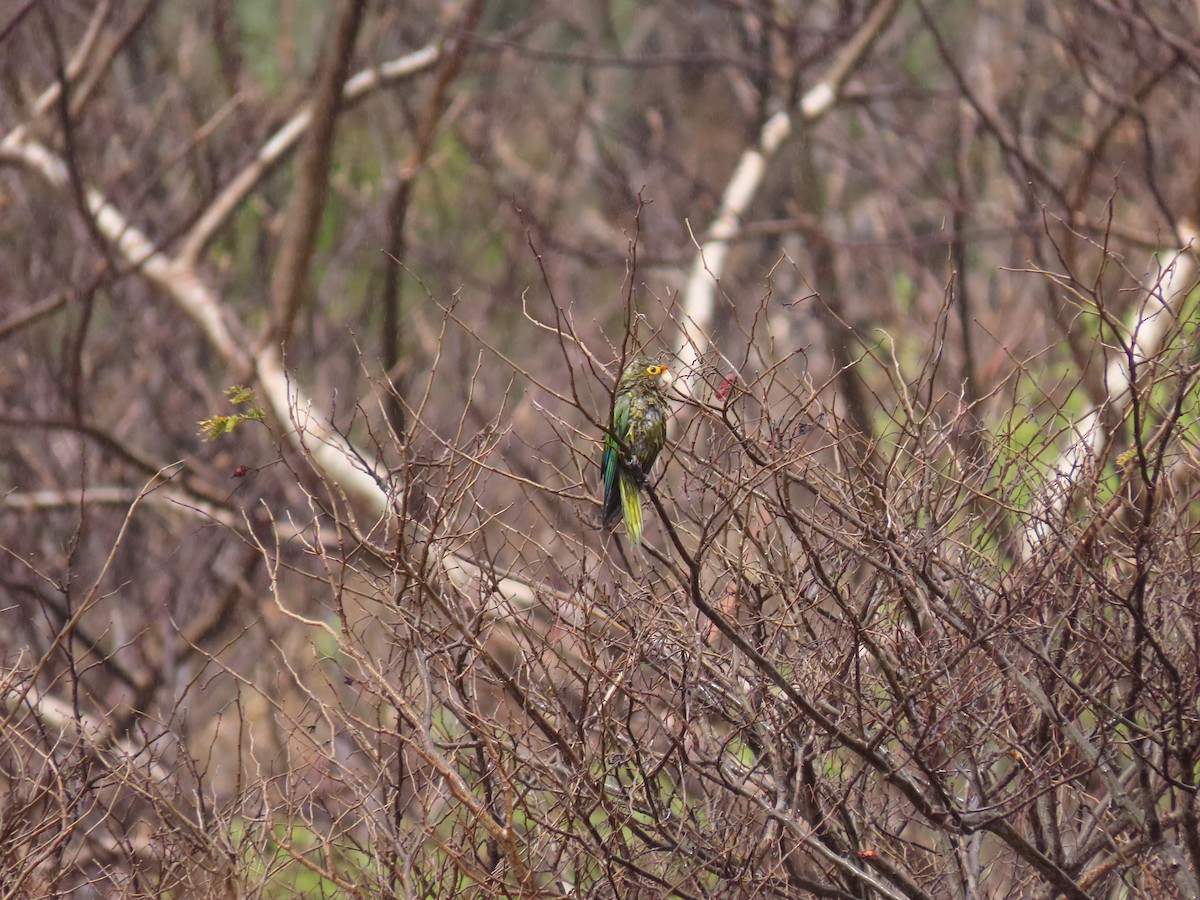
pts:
pixel 216 214
pixel 289 277
pixel 1154 317
pixel 699 298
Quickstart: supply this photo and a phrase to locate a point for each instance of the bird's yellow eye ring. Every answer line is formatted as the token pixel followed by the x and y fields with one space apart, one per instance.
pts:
pixel 655 370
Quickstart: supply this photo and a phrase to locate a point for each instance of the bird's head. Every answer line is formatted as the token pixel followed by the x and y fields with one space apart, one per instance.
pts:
pixel 645 372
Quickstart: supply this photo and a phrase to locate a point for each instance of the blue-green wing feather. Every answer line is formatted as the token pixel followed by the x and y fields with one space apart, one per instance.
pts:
pixel 610 463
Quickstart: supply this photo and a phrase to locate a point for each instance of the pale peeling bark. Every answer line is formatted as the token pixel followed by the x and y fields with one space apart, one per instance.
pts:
pixel 177 277
pixel 350 469
pixel 1168 287
pixel 311 430
pixel 700 293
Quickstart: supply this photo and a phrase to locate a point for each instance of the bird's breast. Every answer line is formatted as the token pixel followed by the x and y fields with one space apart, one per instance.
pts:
pixel 648 421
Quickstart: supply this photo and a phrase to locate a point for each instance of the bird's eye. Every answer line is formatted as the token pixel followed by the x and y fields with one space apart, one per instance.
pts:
pixel 655 370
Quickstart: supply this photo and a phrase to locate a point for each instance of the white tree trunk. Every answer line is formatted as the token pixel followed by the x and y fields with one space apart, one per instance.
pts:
pixel 1168 287
pixel 700 293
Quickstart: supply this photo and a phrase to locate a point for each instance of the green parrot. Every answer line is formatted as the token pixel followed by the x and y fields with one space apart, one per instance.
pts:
pixel 639 430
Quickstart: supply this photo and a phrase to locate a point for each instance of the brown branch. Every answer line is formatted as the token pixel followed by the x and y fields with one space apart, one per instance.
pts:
pixel 453 54
pixel 290 276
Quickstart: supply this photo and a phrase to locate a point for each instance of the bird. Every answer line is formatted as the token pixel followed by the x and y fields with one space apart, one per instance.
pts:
pixel 634 440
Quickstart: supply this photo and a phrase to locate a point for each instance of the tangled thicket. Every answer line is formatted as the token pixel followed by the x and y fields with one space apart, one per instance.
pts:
pixel 917 610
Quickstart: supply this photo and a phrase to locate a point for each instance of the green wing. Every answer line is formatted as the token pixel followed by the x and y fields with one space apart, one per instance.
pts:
pixel 610 463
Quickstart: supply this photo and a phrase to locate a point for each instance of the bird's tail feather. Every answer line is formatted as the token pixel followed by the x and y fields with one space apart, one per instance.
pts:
pixel 631 502
pixel 612 501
